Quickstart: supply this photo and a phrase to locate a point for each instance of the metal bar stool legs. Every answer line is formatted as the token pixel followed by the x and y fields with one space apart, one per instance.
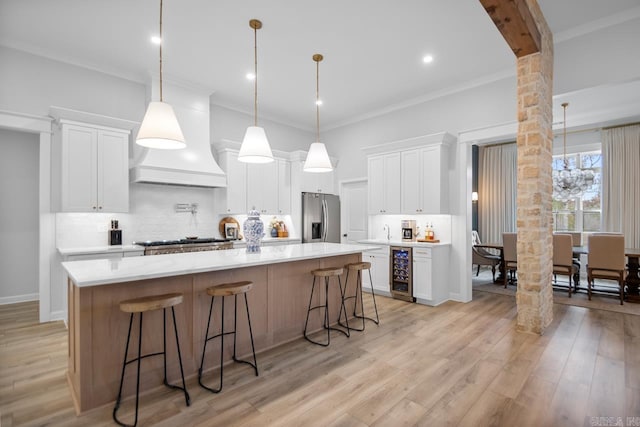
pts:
pixel 227 290
pixel 140 306
pixel 358 267
pixel 326 273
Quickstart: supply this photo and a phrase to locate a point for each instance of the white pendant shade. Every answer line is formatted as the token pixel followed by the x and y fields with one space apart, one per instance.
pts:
pixel 160 128
pixel 317 159
pixel 255 147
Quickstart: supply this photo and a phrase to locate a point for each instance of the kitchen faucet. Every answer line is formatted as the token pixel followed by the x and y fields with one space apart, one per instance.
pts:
pixel 386 227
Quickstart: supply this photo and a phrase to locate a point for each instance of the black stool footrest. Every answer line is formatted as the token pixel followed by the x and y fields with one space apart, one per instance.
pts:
pixel 221 335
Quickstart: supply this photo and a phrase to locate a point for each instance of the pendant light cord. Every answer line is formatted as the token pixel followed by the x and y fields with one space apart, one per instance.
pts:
pixel 255 73
pixel 564 144
pixel 317 101
pixel 161 41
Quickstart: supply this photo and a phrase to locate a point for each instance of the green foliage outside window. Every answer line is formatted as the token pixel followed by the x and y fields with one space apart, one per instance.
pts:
pixel 582 214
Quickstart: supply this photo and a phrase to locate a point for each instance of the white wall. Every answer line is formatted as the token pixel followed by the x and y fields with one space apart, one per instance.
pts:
pixel 477 107
pixel 31 84
pixel 230 125
pixel 19 216
pixel 610 55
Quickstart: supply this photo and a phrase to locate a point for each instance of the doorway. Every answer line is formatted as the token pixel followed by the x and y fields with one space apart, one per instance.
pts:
pixel 19 216
pixel 353 194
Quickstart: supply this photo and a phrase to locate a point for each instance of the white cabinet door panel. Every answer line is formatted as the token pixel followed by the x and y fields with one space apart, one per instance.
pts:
pixel 79 169
pixel 113 172
pixel 284 187
pixel 262 187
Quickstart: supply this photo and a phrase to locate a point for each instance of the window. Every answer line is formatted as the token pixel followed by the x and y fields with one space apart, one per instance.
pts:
pixel 583 213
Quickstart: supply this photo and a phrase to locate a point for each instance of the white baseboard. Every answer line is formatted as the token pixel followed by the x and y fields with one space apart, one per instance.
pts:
pixel 457 297
pixel 19 298
pixel 58 315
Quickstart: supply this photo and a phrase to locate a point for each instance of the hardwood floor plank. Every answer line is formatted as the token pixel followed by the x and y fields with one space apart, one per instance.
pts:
pixel 569 404
pixel 607 394
pixel 455 364
pixel 403 414
pixel 632 351
pixel 453 406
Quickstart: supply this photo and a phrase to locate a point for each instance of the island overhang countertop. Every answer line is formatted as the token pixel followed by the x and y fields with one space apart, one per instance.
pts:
pixel 107 271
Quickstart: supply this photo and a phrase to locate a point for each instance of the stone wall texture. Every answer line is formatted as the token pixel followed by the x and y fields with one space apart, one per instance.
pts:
pixel 534 214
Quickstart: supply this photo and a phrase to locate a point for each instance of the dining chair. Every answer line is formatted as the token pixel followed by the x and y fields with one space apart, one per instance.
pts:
pixel 563 263
pixel 606 260
pixel 481 256
pixel 510 253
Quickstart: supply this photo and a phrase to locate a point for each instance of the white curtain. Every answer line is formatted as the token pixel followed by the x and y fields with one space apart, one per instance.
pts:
pixel 621 182
pixel 497 191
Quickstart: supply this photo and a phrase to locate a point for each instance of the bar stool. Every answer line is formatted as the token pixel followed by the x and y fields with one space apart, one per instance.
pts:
pixel 358 267
pixel 224 290
pixel 327 273
pixel 142 305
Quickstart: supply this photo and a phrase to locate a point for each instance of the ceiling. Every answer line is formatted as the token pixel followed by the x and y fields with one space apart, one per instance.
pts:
pixel 373 49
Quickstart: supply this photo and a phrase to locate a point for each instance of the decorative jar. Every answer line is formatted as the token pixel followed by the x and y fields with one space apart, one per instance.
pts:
pixel 274 232
pixel 253 231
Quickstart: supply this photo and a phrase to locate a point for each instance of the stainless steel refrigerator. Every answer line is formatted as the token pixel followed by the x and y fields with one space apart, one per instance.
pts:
pixel 320 218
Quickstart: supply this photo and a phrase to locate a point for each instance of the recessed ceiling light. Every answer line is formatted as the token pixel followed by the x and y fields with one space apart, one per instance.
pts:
pixel 156 40
pixel 250 76
pixel 427 59
pixel 319 102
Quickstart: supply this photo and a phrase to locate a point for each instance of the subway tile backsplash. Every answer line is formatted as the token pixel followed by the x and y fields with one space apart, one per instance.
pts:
pixel 151 216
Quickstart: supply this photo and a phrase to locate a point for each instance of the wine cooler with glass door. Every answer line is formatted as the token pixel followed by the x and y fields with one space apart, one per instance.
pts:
pixel 400 274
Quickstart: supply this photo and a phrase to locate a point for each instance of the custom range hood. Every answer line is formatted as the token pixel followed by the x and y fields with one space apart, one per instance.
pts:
pixel 190 166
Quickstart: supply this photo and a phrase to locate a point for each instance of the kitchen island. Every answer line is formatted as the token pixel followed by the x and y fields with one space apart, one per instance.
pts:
pixel 278 304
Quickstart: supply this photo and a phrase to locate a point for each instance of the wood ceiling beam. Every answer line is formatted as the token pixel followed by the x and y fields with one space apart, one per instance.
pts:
pixel 514 20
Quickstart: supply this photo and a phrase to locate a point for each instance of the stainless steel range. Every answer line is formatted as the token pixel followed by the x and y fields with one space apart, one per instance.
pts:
pixel 159 247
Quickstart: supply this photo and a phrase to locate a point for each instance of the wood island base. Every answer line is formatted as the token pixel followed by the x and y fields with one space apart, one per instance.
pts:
pixel 98 329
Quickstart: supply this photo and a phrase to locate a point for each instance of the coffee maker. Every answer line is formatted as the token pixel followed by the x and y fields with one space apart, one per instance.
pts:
pixel 408 230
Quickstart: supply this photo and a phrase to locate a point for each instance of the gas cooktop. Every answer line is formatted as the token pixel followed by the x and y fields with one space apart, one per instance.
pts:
pixel 186 241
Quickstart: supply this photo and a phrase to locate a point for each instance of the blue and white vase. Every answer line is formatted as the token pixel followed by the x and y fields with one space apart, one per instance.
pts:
pixel 253 231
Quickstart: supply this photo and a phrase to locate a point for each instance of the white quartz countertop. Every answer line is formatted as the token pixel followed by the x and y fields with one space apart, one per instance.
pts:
pixel 106 271
pixel 100 249
pixel 401 243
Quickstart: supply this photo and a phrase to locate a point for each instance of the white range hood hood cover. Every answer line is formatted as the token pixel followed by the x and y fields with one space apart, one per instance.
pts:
pixel 190 166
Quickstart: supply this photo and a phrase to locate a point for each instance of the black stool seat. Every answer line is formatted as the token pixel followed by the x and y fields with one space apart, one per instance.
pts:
pixel 141 306
pixel 358 267
pixel 326 273
pixel 224 290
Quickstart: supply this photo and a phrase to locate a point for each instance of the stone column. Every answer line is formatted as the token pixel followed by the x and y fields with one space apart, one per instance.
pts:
pixel 534 215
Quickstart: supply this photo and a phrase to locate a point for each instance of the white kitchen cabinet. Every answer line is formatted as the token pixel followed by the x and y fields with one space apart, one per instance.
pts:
pixel 262 187
pixel 379 260
pixel 234 196
pixel 93 170
pixel 424 182
pixel 284 187
pixel 267 187
pixel 317 182
pixel 384 183
pixel 430 272
pixel 434 180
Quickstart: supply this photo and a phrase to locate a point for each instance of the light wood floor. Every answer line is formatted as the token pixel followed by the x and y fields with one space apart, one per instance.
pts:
pixel 457 364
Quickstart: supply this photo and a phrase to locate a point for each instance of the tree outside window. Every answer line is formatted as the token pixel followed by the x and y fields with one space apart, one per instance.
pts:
pixel 581 214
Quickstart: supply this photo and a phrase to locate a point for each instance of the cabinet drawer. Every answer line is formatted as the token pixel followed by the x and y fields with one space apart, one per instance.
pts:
pixel 422 252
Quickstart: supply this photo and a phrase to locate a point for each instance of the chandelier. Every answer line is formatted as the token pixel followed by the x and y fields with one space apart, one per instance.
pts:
pixel 570 183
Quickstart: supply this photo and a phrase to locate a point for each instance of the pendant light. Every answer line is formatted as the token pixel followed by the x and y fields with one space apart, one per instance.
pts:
pixel 570 183
pixel 160 128
pixel 255 146
pixel 317 157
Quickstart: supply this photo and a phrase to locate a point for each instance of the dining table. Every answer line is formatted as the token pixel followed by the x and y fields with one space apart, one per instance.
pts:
pixel 632 281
